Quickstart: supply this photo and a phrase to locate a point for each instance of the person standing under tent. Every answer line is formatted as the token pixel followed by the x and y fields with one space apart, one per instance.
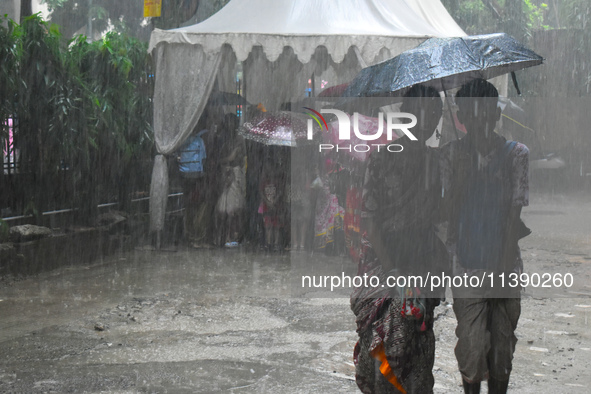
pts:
pixel 485 185
pixel 191 161
pixel 229 209
pixel 300 196
pixel 271 191
pixel 400 205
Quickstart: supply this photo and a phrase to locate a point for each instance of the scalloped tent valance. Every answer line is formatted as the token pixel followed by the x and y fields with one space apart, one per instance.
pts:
pixel 304 25
pixel 280 43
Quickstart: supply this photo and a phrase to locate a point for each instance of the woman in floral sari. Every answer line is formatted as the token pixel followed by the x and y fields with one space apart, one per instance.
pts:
pixel 396 347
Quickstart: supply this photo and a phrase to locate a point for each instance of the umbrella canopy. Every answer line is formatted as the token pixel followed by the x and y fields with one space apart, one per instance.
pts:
pixel 282 128
pixel 444 63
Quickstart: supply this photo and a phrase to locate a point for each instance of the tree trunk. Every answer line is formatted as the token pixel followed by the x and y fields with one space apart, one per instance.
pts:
pixel 26 9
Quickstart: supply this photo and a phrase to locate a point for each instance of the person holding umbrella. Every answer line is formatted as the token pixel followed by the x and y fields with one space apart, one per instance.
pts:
pixel 396 348
pixel 485 181
pixel 231 201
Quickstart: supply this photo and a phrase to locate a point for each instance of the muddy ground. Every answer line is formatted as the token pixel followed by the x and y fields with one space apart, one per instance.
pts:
pixel 200 321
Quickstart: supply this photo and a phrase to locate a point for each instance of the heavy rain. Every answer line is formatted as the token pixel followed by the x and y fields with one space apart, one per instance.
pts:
pixel 262 196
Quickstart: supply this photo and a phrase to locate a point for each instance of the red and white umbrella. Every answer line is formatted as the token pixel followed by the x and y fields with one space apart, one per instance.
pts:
pixel 280 128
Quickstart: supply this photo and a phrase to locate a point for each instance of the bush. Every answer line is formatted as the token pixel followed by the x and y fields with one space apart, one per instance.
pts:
pixel 84 115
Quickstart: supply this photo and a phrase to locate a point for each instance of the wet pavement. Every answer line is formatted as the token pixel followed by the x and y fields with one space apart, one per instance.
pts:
pixel 204 321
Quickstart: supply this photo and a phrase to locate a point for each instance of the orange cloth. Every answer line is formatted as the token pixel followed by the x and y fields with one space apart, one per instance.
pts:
pixel 380 355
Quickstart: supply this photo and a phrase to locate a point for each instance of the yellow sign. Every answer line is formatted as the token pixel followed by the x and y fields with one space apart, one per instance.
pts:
pixel 152 8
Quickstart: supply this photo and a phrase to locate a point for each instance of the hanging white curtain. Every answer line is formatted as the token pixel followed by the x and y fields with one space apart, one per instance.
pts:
pixel 180 95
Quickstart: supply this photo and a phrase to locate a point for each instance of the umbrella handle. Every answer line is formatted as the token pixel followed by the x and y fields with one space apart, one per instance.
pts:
pixel 451 116
pixel 514 78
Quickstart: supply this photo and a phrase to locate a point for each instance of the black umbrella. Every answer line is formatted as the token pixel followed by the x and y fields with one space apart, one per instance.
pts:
pixel 443 63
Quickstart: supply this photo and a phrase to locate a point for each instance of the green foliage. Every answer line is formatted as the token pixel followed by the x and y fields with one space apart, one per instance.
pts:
pixel 515 17
pixel 115 71
pixel 40 71
pixel 125 16
pixel 84 113
pixel 536 15
pixel 575 14
pixel 8 79
pixel 519 17
pixel 522 18
pixel 73 15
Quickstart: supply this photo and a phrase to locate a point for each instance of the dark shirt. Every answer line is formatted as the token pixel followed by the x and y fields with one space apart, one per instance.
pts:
pixel 401 196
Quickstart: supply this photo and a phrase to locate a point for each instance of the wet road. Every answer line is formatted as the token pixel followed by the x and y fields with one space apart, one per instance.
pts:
pixel 184 321
pixel 226 321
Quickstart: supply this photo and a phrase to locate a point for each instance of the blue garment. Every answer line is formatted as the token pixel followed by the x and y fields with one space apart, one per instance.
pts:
pixel 484 214
pixel 192 156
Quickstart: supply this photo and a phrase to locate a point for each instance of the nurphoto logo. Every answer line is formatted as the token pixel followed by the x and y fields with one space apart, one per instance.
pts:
pixel 394 121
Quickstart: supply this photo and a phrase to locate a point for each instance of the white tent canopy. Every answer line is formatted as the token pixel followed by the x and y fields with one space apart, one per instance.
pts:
pixel 281 44
pixel 303 25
